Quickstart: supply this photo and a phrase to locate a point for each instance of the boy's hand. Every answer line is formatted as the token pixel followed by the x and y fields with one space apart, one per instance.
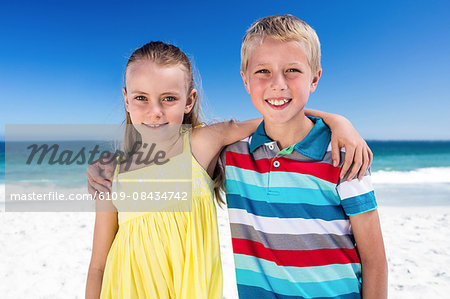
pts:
pixel 358 155
pixel 99 176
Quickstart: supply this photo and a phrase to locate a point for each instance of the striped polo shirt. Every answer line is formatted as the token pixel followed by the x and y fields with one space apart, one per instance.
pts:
pixel 289 217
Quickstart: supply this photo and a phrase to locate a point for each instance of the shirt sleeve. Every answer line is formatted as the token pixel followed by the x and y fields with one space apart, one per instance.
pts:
pixel 221 162
pixel 357 196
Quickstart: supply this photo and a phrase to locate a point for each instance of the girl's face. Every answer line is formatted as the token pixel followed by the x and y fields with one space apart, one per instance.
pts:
pixel 156 95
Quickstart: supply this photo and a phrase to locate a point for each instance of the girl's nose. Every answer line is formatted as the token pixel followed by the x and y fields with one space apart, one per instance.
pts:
pixel 278 81
pixel 155 111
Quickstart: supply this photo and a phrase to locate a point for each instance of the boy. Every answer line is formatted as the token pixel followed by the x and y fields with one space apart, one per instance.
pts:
pixel 294 222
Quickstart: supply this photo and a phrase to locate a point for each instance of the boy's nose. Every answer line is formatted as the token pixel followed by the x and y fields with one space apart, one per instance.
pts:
pixel 278 82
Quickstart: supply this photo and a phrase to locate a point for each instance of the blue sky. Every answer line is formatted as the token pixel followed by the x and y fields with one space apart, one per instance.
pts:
pixel 385 64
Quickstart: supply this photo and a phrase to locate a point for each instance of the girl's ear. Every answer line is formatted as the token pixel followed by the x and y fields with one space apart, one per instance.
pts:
pixel 124 91
pixel 315 81
pixel 190 101
pixel 247 87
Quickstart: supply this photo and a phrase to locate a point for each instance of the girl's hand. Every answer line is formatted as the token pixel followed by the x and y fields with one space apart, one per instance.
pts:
pixel 343 135
pixel 358 155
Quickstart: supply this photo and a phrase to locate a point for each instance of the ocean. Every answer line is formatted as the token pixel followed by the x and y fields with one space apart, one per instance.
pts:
pixel 403 172
pixel 411 173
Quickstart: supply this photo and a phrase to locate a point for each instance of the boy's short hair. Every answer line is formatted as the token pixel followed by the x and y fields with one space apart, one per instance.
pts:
pixel 284 28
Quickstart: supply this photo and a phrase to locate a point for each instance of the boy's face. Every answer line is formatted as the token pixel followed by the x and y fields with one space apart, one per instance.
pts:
pixel 279 80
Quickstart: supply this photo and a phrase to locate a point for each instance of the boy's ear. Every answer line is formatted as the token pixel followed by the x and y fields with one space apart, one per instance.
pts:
pixel 124 91
pixel 247 87
pixel 315 81
pixel 190 101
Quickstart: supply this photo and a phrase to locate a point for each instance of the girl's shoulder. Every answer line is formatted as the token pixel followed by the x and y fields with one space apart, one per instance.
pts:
pixel 206 144
pixel 200 136
pixel 206 135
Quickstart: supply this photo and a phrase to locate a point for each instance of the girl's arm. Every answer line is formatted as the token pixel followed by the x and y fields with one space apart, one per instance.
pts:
pixel 344 135
pixel 369 241
pixel 208 141
pixel 211 139
pixel 106 225
pixel 232 131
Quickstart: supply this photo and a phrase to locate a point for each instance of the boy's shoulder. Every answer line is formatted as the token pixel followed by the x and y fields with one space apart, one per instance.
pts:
pixel 241 147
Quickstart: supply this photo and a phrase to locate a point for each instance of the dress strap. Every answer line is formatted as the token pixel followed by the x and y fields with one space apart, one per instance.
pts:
pixel 116 174
pixel 117 167
pixel 186 142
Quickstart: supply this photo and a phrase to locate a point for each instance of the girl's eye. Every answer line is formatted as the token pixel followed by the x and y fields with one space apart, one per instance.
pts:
pixel 293 71
pixel 141 98
pixel 263 71
pixel 170 99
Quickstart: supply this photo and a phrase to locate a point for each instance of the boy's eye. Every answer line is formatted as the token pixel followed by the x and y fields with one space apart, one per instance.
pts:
pixel 141 98
pixel 293 70
pixel 263 71
pixel 169 99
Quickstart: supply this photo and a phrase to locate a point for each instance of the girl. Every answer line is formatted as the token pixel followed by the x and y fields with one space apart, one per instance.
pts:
pixel 168 252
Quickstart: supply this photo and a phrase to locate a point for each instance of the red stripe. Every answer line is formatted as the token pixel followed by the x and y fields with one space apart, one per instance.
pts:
pixel 296 258
pixel 323 171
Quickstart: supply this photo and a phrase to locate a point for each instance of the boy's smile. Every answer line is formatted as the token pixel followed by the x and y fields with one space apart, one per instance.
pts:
pixel 278 103
pixel 279 80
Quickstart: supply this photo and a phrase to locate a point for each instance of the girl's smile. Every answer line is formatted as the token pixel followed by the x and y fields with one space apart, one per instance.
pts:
pixel 155 126
pixel 156 99
pixel 156 95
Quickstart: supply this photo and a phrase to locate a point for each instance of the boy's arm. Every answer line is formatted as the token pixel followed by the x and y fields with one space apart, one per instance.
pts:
pixel 369 241
pixel 357 152
pixel 359 203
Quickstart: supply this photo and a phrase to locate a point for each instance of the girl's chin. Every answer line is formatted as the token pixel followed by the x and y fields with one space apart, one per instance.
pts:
pixel 160 132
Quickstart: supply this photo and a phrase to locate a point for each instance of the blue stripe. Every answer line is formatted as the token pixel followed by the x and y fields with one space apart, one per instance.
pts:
pixel 278 179
pixel 286 210
pixel 298 274
pixel 360 204
pixel 331 288
pixel 283 195
pixel 246 291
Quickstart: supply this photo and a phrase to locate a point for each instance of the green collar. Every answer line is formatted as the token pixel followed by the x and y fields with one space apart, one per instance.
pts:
pixel 314 145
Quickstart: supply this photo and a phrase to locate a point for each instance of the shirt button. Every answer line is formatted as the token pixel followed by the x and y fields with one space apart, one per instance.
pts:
pixel 276 164
pixel 271 147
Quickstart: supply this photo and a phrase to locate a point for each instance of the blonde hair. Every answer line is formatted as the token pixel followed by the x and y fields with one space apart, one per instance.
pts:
pixel 283 28
pixel 166 55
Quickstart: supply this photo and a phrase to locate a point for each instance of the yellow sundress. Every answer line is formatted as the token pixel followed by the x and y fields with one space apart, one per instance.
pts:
pixel 164 254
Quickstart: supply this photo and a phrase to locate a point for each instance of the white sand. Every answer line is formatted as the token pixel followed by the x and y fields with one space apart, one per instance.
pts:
pixel 46 255
pixel 417 241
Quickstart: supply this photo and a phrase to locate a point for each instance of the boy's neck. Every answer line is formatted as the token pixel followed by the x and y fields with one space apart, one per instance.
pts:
pixel 289 133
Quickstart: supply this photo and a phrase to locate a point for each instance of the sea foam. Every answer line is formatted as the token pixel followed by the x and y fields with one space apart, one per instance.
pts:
pixel 417 176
